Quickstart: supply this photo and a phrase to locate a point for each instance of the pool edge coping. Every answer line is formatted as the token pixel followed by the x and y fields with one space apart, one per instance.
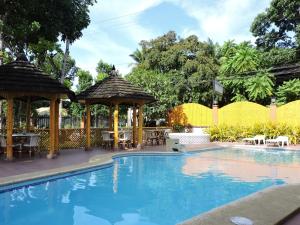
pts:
pixel 256 206
pixel 94 162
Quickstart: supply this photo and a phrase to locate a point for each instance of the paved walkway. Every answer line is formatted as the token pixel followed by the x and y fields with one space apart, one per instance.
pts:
pixel 66 158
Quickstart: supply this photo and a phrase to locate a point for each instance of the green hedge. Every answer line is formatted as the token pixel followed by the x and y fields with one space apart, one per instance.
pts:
pixel 236 133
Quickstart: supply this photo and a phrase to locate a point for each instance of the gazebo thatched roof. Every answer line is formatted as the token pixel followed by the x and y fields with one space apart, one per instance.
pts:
pixel 22 76
pixel 114 88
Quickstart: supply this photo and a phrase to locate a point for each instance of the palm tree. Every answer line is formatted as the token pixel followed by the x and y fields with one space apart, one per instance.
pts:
pixel 138 56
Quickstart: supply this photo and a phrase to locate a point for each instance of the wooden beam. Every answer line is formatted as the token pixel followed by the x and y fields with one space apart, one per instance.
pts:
pixel 88 126
pixel 9 128
pixel 51 153
pixel 134 126
pixel 31 94
pixel 28 112
pixel 140 131
pixel 116 124
pixel 56 126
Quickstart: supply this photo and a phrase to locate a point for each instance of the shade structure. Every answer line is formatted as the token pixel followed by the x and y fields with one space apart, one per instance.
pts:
pixel 23 80
pixel 22 77
pixel 113 91
pixel 114 88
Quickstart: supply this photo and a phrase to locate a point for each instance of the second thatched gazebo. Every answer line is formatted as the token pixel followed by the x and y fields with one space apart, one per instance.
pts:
pixel 113 91
pixel 21 80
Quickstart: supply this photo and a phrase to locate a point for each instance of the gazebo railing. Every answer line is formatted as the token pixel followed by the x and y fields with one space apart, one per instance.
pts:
pixel 72 138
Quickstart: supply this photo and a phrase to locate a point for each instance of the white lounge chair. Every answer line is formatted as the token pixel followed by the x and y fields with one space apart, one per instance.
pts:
pixel 280 140
pixel 257 138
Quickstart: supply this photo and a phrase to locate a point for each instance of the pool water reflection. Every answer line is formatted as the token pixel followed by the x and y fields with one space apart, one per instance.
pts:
pixel 148 190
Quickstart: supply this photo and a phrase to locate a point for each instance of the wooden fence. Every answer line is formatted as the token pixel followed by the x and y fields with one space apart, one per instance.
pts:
pixel 237 113
pixel 72 138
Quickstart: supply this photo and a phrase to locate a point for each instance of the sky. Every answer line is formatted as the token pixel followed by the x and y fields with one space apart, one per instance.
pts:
pixel 118 26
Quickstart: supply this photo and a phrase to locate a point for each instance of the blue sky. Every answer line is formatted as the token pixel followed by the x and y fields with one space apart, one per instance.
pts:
pixel 117 26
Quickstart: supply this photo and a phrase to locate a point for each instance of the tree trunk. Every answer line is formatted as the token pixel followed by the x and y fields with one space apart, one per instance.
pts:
pixel 63 75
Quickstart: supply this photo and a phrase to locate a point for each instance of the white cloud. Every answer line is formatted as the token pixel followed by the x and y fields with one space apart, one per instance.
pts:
pixel 227 19
pixel 114 32
pixel 108 16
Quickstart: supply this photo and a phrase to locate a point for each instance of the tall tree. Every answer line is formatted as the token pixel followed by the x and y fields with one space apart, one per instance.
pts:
pixel 176 71
pixel 137 56
pixel 24 24
pixel 236 62
pixel 279 25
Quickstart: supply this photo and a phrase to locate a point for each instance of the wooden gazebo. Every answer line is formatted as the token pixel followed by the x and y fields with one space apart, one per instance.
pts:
pixel 21 80
pixel 113 91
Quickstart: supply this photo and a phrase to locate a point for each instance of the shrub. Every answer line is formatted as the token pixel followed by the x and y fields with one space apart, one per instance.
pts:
pixel 233 133
pixel 179 128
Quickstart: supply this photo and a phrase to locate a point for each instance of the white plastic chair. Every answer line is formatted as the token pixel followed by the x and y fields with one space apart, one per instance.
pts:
pixel 279 140
pixel 33 144
pixel 3 144
pixel 107 140
pixel 125 139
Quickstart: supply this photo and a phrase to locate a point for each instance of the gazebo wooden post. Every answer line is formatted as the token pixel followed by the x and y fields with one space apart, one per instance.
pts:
pixel 134 126
pixel 52 128
pixel 140 130
pixel 110 120
pixel 57 126
pixel 88 126
pixel 28 112
pixel 9 128
pixel 116 125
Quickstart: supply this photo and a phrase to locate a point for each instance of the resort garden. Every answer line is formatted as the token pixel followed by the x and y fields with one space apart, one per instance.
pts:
pixel 112 137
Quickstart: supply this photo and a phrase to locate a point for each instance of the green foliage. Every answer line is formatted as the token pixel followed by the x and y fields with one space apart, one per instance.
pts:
pixel 237 62
pixel 288 91
pixel 260 86
pixel 277 26
pixel 24 24
pixel 103 69
pixel 238 58
pixel 235 133
pixel 85 80
pixel 160 86
pixel 175 71
pixel 178 128
pixel 277 56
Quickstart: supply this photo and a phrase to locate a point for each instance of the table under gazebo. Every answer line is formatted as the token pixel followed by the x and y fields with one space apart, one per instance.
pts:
pixel 21 80
pixel 113 91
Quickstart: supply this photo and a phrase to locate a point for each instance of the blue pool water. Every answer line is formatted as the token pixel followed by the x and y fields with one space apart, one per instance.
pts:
pixel 146 190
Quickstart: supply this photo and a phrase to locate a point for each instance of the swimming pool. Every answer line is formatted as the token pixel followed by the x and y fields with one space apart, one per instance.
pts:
pixel 149 190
